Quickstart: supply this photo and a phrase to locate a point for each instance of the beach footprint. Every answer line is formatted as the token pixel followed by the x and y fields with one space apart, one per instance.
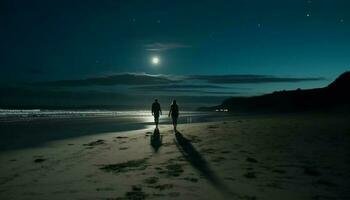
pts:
pixel 95 143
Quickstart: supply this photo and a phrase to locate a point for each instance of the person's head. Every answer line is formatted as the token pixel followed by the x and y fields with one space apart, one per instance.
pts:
pixel 155 100
pixel 174 102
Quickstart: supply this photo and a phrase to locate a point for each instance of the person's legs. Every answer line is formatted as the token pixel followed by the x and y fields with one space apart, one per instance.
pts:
pixel 174 122
pixel 175 125
pixel 156 120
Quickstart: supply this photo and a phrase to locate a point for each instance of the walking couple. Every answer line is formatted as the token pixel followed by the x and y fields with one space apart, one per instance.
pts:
pixel 173 112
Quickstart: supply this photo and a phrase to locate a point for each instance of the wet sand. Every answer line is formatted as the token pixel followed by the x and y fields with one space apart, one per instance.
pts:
pixel 301 156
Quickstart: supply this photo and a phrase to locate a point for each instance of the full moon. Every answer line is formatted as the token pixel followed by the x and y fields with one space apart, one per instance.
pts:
pixel 155 60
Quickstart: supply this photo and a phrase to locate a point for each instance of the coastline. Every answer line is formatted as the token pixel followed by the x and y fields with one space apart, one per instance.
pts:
pixel 27 131
pixel 250 157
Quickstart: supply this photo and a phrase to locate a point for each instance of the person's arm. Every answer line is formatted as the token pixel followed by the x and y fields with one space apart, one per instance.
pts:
pixel 160 110
pixel 152 109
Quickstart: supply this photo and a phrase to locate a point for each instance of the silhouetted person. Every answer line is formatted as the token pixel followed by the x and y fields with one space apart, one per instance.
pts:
pixel 156 111
pixel 174 112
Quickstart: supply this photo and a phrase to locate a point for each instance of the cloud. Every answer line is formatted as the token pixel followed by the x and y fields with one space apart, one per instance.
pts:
pixel 192 92
pixel 165 46
pixel 198 92
pixel 38 97
pixel 244 79
pixel 163 82
pixel 221 93
pixel 187 89
pixel 117 79
pixel 174 86
pixel 52 98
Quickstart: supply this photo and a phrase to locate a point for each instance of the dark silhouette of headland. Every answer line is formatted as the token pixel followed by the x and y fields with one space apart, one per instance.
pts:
pixel 335 96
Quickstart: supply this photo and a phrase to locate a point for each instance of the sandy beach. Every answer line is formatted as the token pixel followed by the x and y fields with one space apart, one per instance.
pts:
pixel 299 156
pixel 174 100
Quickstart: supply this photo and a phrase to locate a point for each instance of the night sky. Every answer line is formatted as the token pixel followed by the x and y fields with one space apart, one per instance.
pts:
pixel 63 51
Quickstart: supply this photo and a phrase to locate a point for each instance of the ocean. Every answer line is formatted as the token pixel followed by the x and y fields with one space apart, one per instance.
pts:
pixel 30 128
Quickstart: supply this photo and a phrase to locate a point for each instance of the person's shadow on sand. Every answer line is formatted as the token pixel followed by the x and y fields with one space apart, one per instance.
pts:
pixel 156 140
pixel 197 161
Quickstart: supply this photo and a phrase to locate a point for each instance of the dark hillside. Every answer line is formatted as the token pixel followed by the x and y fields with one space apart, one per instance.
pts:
pixel 335 95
